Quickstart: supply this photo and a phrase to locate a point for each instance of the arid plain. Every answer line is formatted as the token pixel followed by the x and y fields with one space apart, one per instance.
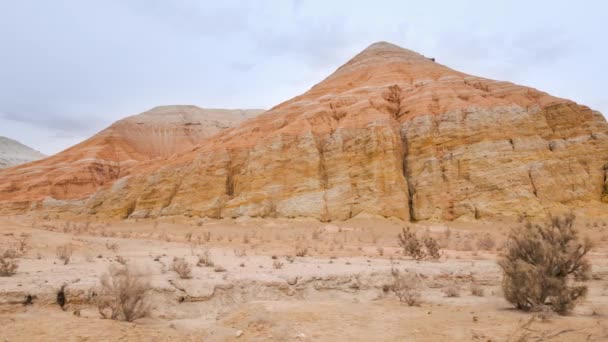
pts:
pixel 280 280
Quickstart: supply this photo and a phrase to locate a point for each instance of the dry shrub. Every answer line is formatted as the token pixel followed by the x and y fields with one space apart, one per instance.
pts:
pixel 541 263
pixel 204 259
pixel 121 260
pixel 433 250
pixel 9 254
pixel 22 242
pixel 406 287
pixel 477 290
pixel 64 253
pixel 8 264
pixel 301 249
pixel 451 291
pixel 277 265
pixel 416 248
pixel 112 246
pixel 240 252
pixel 486 242
pixel 182 268
pixel 188 236
pixel 124 294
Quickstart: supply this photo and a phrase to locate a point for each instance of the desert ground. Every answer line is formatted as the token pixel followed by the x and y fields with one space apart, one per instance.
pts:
pixel 279 280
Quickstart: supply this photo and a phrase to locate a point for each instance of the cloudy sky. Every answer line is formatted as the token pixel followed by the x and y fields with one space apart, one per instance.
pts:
pixel 69 68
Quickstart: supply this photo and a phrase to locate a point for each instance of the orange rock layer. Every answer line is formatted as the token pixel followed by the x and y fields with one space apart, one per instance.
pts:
pixel 113 153
pixel 390 133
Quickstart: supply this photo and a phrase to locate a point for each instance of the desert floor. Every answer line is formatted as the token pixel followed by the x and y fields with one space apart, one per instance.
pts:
pixel 259 289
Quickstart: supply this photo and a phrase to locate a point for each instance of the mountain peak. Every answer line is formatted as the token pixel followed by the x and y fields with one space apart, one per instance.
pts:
pixel 389 51
pixel 382 63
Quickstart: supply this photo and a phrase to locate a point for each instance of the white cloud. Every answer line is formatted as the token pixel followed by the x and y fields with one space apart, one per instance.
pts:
pixel 69 68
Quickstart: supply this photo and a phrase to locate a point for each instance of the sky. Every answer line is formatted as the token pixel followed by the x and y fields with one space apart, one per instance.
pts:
pixel 69 68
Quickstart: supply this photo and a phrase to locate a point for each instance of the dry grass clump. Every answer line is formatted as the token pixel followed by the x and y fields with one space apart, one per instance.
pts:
pixel 204 259
pixel 22 242
pixel 123 294
pixel 451 291
pixel 121 260
pixel 277 265
pixel 188 236
pixel 240 252
pixel 477 290
pixel 207 236
pixel 8 263
pixel 9 254
pixel 112 246
pixel 542 264
pixel 406 287
pixel 301 249
pixel 417 248
pixel 182 268
pixel 64 253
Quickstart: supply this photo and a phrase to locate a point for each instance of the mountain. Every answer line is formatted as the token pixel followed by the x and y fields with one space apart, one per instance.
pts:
pixel 113 153
pixel 14 153
pixel 391 133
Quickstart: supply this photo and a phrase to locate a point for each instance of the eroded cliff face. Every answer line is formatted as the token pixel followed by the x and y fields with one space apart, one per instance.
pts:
pixel 389 133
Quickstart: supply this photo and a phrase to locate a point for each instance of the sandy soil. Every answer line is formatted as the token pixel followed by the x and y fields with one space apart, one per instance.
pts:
pixel 260 290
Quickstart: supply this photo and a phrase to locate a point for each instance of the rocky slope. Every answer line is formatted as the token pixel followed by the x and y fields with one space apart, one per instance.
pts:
pixel 14 153
pixel 113 153
pixel 390 133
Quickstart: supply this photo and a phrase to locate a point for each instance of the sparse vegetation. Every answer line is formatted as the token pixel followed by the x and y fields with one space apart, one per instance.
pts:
pixel 416 248
pixel 121 260
pixel 451 291
pixel 64 253
pixel 406 287
pixel 301 249
pixel 433 251
pixel 182 268
pixel 8 264
pixel 204 259
pixel 541 264
pixel 277 265
pixel 22 242
pixel 188 236
pixel 477 290
pixel 123 294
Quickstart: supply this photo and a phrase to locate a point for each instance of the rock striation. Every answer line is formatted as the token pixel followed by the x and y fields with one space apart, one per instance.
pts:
pixel 111 154
pixel 13 153
pixel 392 133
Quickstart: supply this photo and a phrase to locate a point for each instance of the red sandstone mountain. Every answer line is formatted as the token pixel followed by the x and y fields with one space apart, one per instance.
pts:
pixel 82 169
pixel 390 133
